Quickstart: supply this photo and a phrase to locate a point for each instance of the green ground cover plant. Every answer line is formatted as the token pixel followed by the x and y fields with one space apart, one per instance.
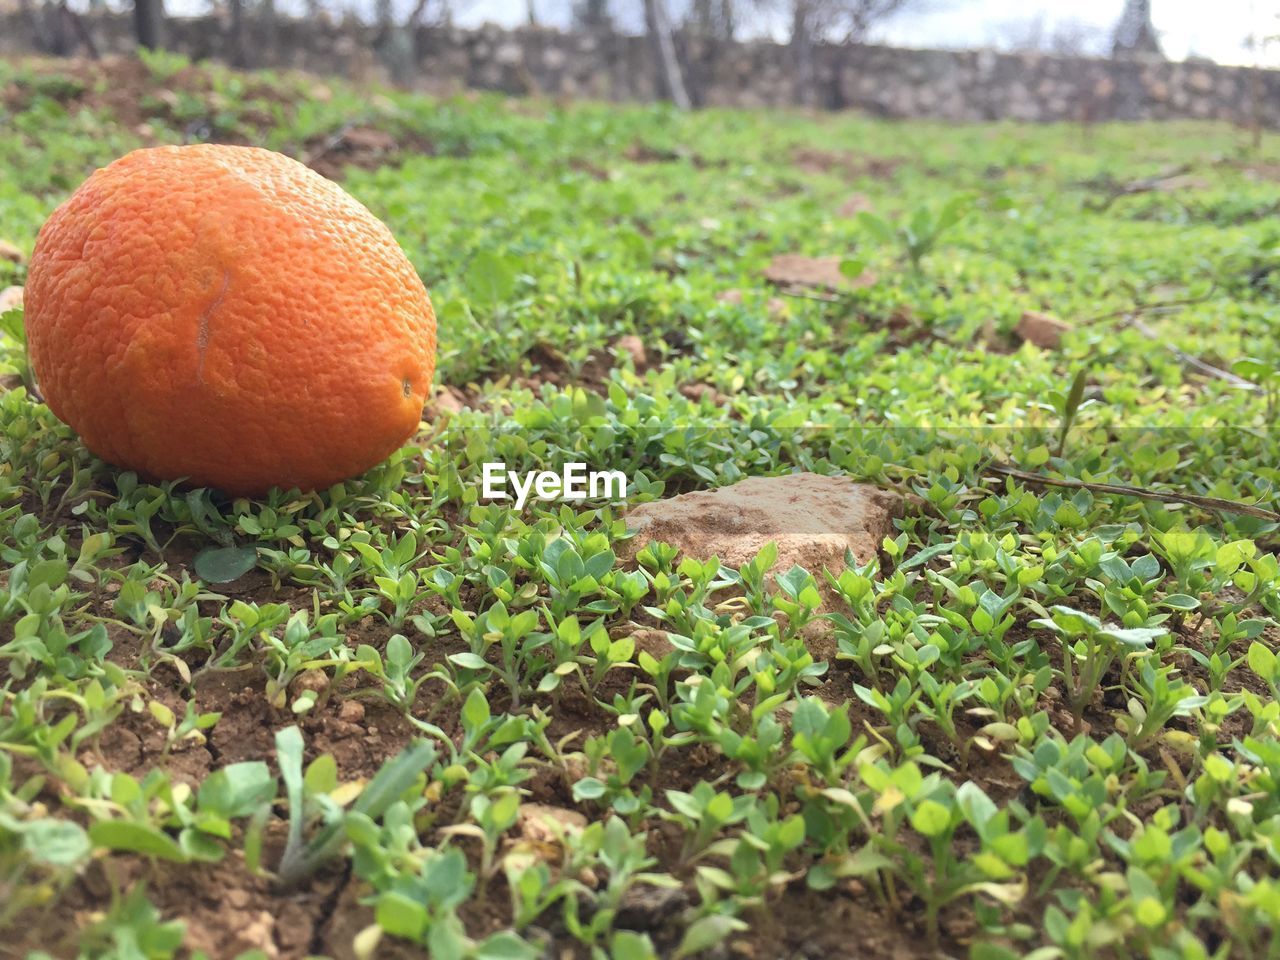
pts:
pixel 389 718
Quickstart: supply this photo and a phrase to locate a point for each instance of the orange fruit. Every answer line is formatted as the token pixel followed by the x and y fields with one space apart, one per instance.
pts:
pixel 225 315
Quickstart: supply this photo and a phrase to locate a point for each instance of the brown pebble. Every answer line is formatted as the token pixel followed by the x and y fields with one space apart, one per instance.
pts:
pixel 856 204
pixel 543 823
pixel 1041 329
pixel 238 899
pixel 314 680
pixel 448 400
pixel 633 346
pixel 351 711
pixel 10 299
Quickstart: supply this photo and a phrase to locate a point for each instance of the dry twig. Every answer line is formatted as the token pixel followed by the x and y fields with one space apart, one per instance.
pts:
pixel 1192 362
pixel 1142 493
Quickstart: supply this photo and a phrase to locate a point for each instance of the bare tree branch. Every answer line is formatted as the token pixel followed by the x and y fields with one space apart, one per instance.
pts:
pixel 849 20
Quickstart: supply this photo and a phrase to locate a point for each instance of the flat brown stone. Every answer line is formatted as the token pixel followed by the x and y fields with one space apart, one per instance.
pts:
pixel 1042 329
pixel 447 401
pixel 856 204
pixel 812 518
pixel 775 305
pixel 543 823
pixel 633 346
pixel 793 270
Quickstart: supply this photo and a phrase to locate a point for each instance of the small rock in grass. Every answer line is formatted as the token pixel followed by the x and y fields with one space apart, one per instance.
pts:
pixel 656 643
pixel 812 518
pixel 239 899
pixel 734 297
pixel 314 680
pixel 1041 329
pixel 793 270
pixel 10 381
pixel 856 204
pixel 369 138
pixel 10 299
pixel 633 346
pixel 447 400
pixel 258 934
pixel 1184 181
pixel 543 823
pixel 351 711
pixel 645 907
pixel 697 391
pixel 10 252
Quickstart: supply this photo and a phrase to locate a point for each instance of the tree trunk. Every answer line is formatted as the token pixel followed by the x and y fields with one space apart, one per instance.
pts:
pixel 237 57
pixel 416 17
pixel 664 52
pixel 1135 34
pixel 267 44
pixel 806 74
pixel 76 28
pixel 593 16
pixel 728 20
pixel 148 23
pixel 700 18
pixel 48 28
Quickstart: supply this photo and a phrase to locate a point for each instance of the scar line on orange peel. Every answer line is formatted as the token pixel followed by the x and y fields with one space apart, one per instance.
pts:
pixel 202 331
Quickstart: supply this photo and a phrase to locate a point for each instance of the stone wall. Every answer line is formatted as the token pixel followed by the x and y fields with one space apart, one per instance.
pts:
pixel 890 82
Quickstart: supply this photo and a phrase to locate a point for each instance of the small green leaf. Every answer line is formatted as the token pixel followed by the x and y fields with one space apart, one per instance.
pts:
pixel 930 818
pixel 59 843
pixel 225 564
pixel 238 789
pixel 506 946
pixel 400 916
pixel 852 267
pixel 706 933
pixel 468 661
pixel 475 712
pixel 1072 406
pixel 1261 660
pixel 131 837
pixel 588 788
pixel 628 945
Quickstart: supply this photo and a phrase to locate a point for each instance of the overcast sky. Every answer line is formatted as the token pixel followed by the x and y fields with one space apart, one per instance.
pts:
pixel 1216 29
